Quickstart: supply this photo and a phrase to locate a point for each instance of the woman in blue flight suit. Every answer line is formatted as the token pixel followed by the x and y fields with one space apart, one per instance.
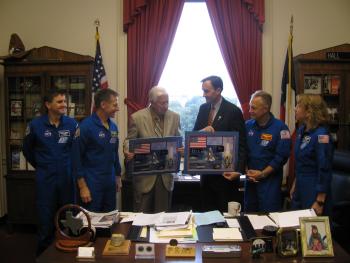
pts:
pixel 313 156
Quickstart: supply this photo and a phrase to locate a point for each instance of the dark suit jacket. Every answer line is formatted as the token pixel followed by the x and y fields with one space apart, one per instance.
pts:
pixel 228 118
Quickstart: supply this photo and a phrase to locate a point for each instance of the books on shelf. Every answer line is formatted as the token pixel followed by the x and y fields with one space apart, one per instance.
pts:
pixel 335 85
pixel 332 84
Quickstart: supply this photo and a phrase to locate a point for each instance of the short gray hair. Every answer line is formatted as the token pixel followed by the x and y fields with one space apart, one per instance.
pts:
pixel 266 97
pixel 155 92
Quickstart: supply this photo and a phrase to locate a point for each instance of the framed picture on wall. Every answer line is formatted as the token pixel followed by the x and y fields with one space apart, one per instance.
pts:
pixel 16 108
pixel 312 84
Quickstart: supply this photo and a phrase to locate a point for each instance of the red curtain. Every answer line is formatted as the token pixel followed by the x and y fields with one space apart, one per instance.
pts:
pixel 151 26
pixel 238 28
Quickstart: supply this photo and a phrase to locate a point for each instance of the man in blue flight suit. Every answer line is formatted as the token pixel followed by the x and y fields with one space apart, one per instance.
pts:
pixel 269 146
pixel 96 160
pixel 47 146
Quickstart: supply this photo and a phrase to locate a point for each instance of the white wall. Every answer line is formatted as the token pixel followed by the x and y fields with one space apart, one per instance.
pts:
pixel 318 24
pixel 68 25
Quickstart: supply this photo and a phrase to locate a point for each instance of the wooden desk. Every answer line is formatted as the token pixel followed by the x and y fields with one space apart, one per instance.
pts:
pixel 52 255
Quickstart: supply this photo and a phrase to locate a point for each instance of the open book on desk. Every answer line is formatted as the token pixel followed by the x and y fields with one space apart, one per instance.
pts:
pixel 280 219
pixel 291 218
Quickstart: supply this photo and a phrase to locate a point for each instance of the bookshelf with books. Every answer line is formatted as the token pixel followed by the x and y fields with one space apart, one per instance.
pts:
pixel 26 80
pixel 327 72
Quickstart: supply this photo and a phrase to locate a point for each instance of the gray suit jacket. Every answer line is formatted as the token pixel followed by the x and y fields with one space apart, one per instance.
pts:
pixel 141 126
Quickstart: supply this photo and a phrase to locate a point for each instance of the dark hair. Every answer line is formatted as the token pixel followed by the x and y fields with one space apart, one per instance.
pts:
pixel 103 95
pixel 50 94
pixel 215 81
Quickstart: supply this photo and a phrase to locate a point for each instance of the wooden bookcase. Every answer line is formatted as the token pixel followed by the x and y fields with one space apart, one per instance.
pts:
pixel 26 80
pixel 327 72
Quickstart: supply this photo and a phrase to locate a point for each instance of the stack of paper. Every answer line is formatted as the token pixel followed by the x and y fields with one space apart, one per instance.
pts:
pixel 179 219
pixel 100 220
pixel 127 216
pixel 183 233
pixel 227 234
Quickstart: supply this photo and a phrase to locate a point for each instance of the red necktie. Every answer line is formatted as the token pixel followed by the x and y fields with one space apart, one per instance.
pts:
pixel 211 116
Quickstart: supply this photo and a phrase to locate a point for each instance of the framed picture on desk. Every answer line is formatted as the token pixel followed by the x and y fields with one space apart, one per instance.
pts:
pixel 155 155
pixel 316 238
pixel 210 153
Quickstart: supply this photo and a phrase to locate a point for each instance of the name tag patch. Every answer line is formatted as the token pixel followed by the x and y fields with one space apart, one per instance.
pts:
pixel 264 142
pixel 266 137
pixel 64 133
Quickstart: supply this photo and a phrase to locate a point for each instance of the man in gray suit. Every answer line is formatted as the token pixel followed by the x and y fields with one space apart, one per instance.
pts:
pixel 152 193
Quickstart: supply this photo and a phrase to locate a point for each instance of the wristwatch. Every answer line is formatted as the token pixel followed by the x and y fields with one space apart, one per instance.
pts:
pixel 320 203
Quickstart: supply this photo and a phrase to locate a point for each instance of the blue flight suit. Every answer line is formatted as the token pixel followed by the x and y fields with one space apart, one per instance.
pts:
pixel 96 159
pixel 49 149
pixel 268 145
pixel 313 167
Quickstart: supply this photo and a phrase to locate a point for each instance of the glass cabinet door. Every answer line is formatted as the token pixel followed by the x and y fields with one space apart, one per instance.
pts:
pixel 25 103
pixel 75 87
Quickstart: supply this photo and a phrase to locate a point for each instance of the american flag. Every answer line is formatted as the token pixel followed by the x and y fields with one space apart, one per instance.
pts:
pixel 142 148
pixel 99 78
pixel 198 142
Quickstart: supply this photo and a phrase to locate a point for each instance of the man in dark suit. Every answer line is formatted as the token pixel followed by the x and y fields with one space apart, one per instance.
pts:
pixel 218 114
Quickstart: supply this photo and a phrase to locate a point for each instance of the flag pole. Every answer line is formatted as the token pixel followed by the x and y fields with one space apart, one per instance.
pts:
pixel 290 61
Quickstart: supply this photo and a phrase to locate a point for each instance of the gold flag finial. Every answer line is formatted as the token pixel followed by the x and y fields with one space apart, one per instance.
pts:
pixel 291 25
pixel 97 24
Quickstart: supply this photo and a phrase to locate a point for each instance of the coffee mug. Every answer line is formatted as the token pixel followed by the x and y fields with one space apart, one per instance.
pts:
pixel 233 208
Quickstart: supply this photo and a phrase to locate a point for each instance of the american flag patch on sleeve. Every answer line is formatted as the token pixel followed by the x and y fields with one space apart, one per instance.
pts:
pixel 285 134
pixel 323 139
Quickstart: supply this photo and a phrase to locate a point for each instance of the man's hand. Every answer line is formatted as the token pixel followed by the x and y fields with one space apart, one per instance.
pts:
pixel 181 151
pixel 85 194
pixel 119 183
pixel 128 155
pixel 208 129
pixel 231 175
pixel 318 208
pixel 255 175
